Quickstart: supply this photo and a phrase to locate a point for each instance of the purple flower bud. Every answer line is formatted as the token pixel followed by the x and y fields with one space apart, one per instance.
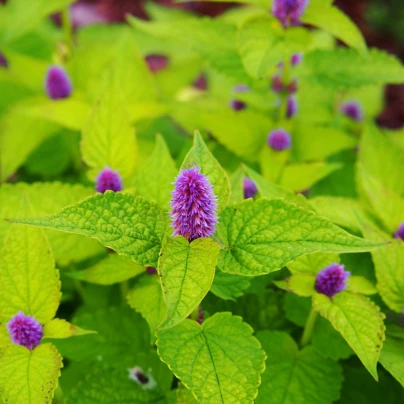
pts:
pixel 25 330
pixel 279 140
pixel 3 61
pixel 108 179
pixel 400 232
pixel 332 280
pixel 156 62
pixel 277 84
pixel 140 377
pixel 57 83
pixel 241 88
pixel 237 105
pixel 296 59
pixel 288 12
pixel 353 110
pixel 151 270
pixel 193 205
pixel 250 188
pixel 201 82
pixel 292 107
pixel 292 87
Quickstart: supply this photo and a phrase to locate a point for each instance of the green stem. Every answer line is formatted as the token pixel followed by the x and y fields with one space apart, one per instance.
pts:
pixel 308 328
pixel 80 290
pixel 285 94
pixel 67 28
pixel 124 287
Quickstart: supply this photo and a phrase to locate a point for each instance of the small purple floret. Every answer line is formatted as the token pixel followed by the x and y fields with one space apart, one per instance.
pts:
pixel 292 87
pixel 151 270
pixel 400 232
pixel 3 61
pixel 277 84
pixel 332 280
pixel 108 179
pixel 237 105
pixel 25 330
pixel 353 110
pixel 292 107
pixel 57 83
pixel 193 205
pixel 241 88
pixel 250 188
pixel 156 62
pixel 296 59
pixel 279 140
pixel 288 12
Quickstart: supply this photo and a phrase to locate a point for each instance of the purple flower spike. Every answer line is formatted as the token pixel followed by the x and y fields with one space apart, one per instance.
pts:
pixel 250 188
pixel 237 105
pixel 193 205
pixel 400 232
pixel 353 110
pixel 292 107
pixel 296 59
pixel 277 84
pixel 288 12
pixel 3 61
pixel 108 179
pixel 156 62
pixel 279 140
pixel 25 330
pixel 332 280
pixel 57 83
pixel 241 88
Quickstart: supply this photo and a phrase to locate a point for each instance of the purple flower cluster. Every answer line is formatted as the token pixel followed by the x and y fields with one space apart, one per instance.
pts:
pixel 353 110
pixel 250 189
pixel 296 59
pixel 25 330
pixel 332 280
pixel 156 62
pixel 292 107
pixel 400 232
pixel 279 140
pixel 237 105
pixel 193 205
pixel 108 179
pixel 57 83
pixel 288 12
pixel 3 61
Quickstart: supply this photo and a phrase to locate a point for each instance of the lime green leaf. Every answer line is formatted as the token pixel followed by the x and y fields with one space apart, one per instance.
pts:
pixel 113 269
pixel 58 328
pixel 333 20
pixel 296 377
pixel 228 286
pixel 265 235
pixel 311 264
pixel 263 43
pixel 236 186
pixel 219 361
pixel 186 271
pixel 359 284
pixel 130 226
pixel 47 198
pixel 155 178
pixel 28 277
pixel 185 396
pixel 29 377
pixel 364 334
pixel 392 358
pixel 146 298
pixel 201 156
pixel 300 284
pixel 108 138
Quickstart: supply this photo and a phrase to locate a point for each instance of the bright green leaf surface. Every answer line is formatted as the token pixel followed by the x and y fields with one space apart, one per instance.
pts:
pixel 300 284
pixel 58 328
pixel 311 264
pixel 219 361
pixel 359 284
pixel 392 358
pixel 187 271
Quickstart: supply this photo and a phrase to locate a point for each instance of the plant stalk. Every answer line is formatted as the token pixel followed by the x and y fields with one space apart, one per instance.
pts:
pixel 67 28
pixel 308 328
pixel 124 287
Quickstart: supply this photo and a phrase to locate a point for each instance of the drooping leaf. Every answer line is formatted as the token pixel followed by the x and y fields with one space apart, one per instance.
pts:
pixel 187 271
pixel 219 361
pixel 263 236
pixel 129 225
pixel 58 328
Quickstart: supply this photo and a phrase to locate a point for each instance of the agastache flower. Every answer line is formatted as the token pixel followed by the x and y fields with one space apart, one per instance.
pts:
pixel 277 84
pixel 139 376
pixel 353 110
pixel 291 107
pixel 193 205
pixel 151 270
pixel 296 59
pixel 332 280
pixel 279 140
pixel 400 232
pixel 249 188
pixel 156 62
pixel 237 105
pixel 108 179
pixel 292 87
pixel 288 12
pixel 25 330
pixel 57 83
pixel 3 61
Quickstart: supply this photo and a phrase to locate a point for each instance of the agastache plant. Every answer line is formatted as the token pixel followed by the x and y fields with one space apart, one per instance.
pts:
pixel 108 180
pixel 25 330
pixel 57 83
pixel 193 205
pixel 353 110
pixel 279 140
pixel 249 188
pixel 288 12
pixel 332 280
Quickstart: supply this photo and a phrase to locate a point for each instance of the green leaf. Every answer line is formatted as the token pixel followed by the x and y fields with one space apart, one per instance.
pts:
pixel 155 177
pixel 58 328
pixel 300 284
pixel 236 186
pixel 263 43
pixel 186 271
pixel 333 20
pixel 28 277
pixel 201 157
pixel 228 286
pixel 392 358
pixel 311 264
pixel 29 377
pixel 108 138
pixel 113 269
pixel 265 235
pixel 185 396
pixel 131 226
pixel 364 334
pixel 296 377
pixel 219 361
pixel 146 298
pixel 359 284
